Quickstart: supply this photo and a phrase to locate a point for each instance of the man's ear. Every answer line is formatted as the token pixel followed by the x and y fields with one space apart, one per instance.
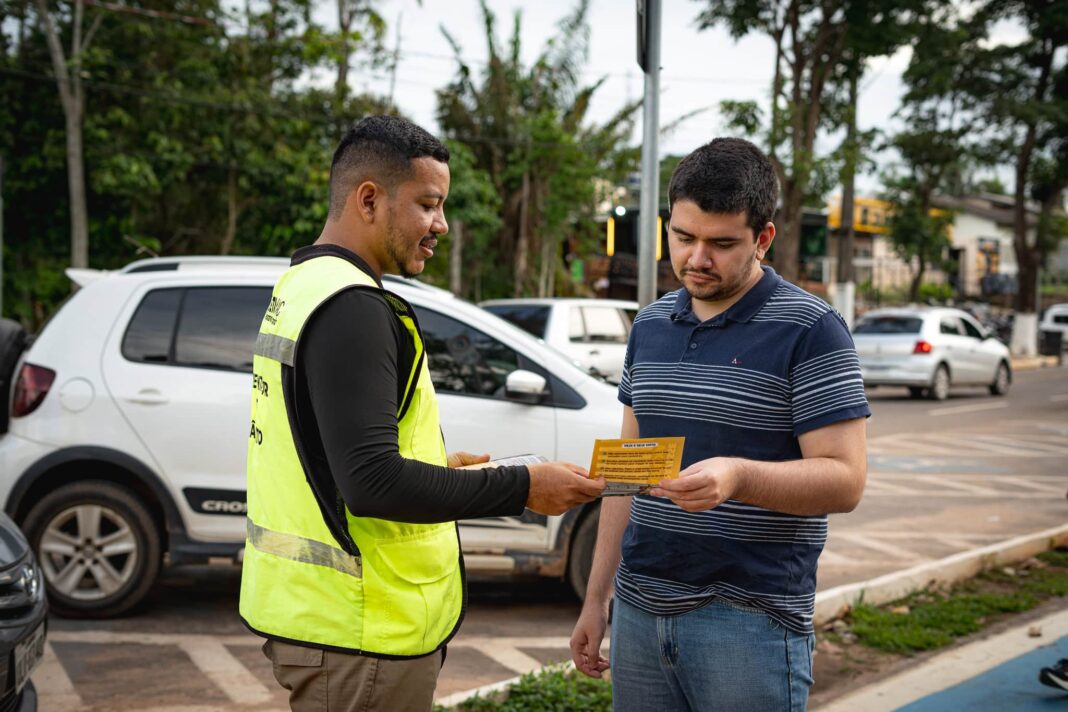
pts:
pixel 365 199
pixel 764 240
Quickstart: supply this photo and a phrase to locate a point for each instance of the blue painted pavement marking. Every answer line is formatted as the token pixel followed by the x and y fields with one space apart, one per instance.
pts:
pixel 1011 686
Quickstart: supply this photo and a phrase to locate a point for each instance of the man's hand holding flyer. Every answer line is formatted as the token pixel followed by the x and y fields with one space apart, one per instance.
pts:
pixel 634 466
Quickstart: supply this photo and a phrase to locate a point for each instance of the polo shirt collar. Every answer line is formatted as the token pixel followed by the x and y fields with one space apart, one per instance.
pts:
pixel 741 311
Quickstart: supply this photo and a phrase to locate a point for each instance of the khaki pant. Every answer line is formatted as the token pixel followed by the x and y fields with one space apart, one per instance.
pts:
pixel 324 681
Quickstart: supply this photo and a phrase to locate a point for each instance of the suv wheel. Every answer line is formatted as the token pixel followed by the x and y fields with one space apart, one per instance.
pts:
pixel 580 561
pixel 98 547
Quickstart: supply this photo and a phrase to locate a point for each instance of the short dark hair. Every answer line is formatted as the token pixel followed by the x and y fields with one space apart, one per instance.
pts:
pixel 728 175
pixel 379 148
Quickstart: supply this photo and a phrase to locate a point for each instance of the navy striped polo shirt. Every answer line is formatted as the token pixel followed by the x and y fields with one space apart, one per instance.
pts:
pixel 746 383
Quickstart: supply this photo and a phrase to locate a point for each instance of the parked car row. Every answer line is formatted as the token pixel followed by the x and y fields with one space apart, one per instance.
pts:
pixel 130 413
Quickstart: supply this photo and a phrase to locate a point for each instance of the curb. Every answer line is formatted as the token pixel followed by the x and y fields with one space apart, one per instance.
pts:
pixel 1033 363
pixel 834 602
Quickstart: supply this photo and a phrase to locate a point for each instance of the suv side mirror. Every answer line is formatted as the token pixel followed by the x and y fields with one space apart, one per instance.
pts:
pixel 525 387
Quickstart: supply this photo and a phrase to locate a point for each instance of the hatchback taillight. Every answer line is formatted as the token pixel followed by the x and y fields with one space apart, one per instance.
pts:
pixel 922 347
pixel 31 388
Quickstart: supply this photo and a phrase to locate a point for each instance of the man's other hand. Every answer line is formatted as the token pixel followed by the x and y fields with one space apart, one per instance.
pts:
pixel 702 485
pixel 586 640
pixel 556 487
pixel 463 459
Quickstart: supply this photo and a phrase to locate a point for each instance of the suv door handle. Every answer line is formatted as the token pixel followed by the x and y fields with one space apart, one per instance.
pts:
pixel 595 352
pixel 148 396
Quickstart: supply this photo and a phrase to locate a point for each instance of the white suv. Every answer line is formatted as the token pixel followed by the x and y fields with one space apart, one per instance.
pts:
pixel 593 332
pixel 129 425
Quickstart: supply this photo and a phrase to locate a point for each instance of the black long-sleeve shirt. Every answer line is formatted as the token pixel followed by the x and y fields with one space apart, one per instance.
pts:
pixel 351 369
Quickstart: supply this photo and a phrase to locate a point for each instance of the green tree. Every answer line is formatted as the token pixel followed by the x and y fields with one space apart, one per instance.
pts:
pixel 820 50
pixel 526 129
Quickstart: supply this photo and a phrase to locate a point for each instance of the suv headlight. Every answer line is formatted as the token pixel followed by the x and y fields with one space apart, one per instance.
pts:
pixel 20 586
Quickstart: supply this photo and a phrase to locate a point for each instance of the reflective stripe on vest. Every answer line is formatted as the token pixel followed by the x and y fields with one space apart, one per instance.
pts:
pixel 306 551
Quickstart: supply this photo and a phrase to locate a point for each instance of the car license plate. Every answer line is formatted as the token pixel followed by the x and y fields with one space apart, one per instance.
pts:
pixel 27 654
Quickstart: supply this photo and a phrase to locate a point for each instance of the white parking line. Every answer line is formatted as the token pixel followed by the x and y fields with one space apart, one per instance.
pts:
pixel 967 408
pixel 226 671
pixel 55 691
pixel 939 481
pixel 871 543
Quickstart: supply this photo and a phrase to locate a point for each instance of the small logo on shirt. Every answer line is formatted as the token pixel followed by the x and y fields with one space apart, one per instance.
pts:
pixel 736 361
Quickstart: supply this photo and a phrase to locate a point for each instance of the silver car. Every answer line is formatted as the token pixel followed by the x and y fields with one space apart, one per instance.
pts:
pixel 929 350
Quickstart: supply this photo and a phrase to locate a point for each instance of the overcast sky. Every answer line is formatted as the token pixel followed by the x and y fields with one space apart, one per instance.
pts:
pixel 699 69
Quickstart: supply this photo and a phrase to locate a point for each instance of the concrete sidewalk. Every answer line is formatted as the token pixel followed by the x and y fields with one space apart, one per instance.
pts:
pixel 996 674
pixel 1030 363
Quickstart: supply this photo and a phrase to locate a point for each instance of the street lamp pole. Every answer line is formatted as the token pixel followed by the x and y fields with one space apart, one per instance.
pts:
pixel 649 60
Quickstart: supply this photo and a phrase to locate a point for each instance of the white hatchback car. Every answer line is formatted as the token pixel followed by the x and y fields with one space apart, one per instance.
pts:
pixel 593 332
pixel 129 423
pixel 929 350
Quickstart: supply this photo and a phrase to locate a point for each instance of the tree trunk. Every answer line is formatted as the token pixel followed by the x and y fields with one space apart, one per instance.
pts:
pixel 548 268
pixel 1027 255
pixel 788 245
pixel 521 245
pixel 232 210
pixel 79 211
pixel 456 251
pixel 71 97
pixel 849 174
pixel 917 280
pixel 344 21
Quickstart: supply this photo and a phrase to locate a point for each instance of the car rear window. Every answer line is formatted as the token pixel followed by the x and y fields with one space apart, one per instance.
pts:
pixel 148 337
pixel 200 327
pixel 218 327
pixel 531 318
pixel 889 325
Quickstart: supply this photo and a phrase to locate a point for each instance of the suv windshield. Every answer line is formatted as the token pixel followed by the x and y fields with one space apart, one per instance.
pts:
pixel 531 318
pixel 889 325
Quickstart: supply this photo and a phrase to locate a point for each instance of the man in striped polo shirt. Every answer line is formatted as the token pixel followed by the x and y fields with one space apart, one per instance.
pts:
pixel 715 572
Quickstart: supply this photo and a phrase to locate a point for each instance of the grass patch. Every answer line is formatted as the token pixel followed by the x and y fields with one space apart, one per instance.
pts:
pixel 552 690
pixel 930 619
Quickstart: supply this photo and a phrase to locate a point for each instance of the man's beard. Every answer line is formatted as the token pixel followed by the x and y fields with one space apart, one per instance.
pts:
pixel 395 249
pixel 714 291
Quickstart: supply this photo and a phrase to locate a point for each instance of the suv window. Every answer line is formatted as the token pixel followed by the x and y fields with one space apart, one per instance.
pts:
pixel 464 360
pixel 218 327
pixel 148 337
pixel 604 325
pixel 531 318
pixel 948 325
pixel 203 327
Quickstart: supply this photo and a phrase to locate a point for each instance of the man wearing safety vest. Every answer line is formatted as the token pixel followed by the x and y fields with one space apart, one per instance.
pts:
pixel 352 565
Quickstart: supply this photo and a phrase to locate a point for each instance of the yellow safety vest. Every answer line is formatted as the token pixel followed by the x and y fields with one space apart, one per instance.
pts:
pixel 392 589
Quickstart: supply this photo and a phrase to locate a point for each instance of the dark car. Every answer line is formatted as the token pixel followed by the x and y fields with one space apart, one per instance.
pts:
pixel 23 614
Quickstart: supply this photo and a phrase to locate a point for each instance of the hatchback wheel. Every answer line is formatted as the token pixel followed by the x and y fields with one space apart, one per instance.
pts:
pixel 98 547
pixel 1002 380
pixel 939 389
pixel 580 560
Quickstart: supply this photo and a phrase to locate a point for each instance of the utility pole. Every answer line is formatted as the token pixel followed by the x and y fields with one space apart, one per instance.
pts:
pixel 649 61
pixel 1 236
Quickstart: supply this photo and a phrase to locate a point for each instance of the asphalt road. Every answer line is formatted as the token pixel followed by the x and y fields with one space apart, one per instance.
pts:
pixel 943 478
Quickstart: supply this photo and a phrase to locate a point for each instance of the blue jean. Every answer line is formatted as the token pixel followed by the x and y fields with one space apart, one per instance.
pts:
pixel 719 657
